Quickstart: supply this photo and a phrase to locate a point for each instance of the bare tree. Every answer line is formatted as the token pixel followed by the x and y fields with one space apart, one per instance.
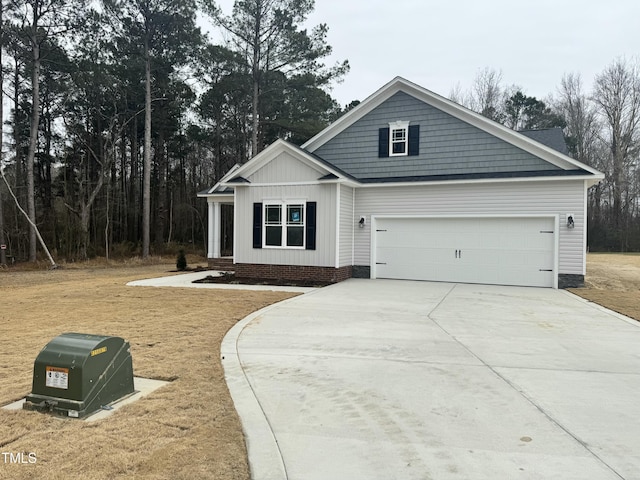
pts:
pixel 42 20
pixel 583 125
pixel 617 96
pixel 582 133
pixel 88 193
pixel 34 228
pixel 458 95
pixel 33 225
pixel 3 253
pixel 31 220
pixel 166 32
pixel 487 94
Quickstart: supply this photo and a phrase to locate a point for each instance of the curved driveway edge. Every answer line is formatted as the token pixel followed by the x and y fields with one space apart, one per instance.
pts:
pixel 265 458
pixel 377 379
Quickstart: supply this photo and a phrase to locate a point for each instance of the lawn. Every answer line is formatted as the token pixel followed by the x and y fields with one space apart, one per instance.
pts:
pixel 613 280
pixel 187 429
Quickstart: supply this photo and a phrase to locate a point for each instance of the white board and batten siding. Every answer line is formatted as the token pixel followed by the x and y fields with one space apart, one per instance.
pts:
pixel 287 178
pixel 544 199
pixel 284 169
pixel 325 253
pixel 347 225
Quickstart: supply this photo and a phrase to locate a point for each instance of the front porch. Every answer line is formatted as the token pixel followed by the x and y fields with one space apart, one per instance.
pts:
pixel 220 231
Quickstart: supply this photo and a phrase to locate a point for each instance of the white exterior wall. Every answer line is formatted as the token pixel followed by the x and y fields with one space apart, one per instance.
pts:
pixel 347 225
pixel 511 198
pixel 285 168
pixel 325 253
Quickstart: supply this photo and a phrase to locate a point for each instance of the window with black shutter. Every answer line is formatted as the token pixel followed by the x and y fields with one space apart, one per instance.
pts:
pixel 311 226
pixel 278 224
pixel 383 142
pixel 257 225
pixel 399 139
pixel 414 140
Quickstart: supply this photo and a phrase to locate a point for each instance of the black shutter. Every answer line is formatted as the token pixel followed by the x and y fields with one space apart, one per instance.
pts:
pixel 257 225
pixel 311 226
pixel 383 142
pixel 414 139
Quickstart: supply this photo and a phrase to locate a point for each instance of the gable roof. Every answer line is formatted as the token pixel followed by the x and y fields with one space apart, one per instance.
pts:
pixel 326 172
pixel 399 84
pixel 543 151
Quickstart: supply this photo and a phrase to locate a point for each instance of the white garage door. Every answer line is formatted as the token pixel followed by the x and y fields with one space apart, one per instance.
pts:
pixel 500 251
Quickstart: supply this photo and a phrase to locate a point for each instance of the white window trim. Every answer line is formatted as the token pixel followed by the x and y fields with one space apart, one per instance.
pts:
pixel 283 223
pixel 399 125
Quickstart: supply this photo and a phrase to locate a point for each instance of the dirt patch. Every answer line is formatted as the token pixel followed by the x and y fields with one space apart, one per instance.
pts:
pixel 188 429
pixel 613 281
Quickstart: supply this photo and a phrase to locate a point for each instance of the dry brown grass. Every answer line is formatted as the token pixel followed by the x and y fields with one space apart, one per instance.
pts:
pixel 187 429
pixel 613 281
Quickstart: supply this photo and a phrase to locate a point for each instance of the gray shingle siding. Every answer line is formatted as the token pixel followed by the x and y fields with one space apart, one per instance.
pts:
pixel 448 146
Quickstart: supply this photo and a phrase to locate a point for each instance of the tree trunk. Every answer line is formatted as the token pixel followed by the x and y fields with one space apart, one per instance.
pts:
pixel 107 221
pixel 33 144
pixel 3 252
pixel 255 76
pixel 38 236
pixel 158 189
pixel 146 187
pixel 123 216
pixel 133 212
pixel 84 226
pixel 254 112
pixel 17 139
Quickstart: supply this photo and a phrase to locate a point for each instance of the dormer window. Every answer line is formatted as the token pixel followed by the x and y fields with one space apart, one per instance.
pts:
pixel 398 138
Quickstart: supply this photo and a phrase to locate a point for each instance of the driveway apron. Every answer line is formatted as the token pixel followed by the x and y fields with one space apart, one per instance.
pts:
pixel 384 379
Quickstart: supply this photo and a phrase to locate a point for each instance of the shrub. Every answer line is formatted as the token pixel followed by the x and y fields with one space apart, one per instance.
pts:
pixel 181 263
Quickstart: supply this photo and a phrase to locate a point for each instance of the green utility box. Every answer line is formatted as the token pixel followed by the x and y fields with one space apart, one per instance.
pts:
pixel 77 374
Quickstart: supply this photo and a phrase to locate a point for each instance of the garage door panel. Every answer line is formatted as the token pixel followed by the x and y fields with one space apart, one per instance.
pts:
pixel 509 251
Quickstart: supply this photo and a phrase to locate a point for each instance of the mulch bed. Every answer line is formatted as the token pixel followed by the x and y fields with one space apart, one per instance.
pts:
pixel 230 278
pixel 198 268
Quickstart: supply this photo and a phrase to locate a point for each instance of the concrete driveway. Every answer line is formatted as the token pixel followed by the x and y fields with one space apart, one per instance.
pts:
pixel 377 379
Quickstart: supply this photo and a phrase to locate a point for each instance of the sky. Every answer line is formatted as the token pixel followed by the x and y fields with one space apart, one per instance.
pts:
pixel 440 44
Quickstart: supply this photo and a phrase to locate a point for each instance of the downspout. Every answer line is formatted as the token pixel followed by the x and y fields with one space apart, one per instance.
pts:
pixel 337 255
pixel 353 226
pixel 235 225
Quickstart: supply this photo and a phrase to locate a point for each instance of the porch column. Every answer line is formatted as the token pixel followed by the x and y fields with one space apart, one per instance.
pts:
pixel 216 230
pixel 213 247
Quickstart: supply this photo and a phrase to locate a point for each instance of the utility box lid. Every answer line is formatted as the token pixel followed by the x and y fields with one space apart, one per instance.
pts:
pixel 76 374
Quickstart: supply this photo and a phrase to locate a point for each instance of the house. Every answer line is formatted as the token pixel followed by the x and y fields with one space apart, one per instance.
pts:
pixel 409 185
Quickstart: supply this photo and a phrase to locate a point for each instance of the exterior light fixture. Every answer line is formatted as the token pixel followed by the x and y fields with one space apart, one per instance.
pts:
pixel 570 221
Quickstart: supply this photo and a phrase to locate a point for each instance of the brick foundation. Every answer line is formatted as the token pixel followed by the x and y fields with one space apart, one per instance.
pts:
pixel 566 280
pixel 292 272
pixel 224 263
pixel 360 271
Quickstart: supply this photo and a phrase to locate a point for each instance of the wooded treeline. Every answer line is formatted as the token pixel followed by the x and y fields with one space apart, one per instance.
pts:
pixel 120 111
pixel 601 128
